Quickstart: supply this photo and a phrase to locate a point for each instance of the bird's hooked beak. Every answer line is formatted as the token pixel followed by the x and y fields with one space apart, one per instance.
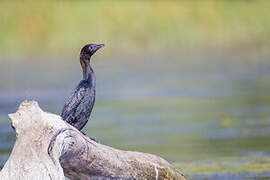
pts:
pixel 97 47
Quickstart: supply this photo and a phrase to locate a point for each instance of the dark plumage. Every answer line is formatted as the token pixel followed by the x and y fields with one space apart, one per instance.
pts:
pixel 79 105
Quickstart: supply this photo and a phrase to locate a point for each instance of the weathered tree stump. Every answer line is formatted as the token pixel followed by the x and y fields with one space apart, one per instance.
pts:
pixel 49 148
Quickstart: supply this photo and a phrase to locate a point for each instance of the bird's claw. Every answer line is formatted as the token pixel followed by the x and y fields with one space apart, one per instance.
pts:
pixel 93 139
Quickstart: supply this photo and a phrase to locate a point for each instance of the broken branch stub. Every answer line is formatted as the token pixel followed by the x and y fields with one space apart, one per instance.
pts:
pixel 49 148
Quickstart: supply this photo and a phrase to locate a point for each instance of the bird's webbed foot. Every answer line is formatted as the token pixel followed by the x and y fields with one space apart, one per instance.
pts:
pixel 93 139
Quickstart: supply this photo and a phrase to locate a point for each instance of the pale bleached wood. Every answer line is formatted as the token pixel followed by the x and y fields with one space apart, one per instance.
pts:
pixel 49 148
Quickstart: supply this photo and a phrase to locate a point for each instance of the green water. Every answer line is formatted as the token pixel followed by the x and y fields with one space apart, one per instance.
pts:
pixel 209 115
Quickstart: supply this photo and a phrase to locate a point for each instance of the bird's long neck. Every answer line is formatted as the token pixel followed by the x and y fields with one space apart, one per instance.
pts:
pixel 89 75
pixel 88 72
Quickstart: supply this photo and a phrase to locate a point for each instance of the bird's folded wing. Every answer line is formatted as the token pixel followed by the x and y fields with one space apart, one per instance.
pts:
pixel 70 108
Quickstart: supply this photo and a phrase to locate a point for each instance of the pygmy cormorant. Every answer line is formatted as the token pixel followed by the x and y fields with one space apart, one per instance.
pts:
pixel 79 105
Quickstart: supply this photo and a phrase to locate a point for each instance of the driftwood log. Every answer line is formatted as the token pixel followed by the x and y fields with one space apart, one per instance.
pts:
pixel 49 148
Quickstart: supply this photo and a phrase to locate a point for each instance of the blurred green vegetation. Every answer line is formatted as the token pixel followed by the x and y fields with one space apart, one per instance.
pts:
pixel 131 26
pixel 234 165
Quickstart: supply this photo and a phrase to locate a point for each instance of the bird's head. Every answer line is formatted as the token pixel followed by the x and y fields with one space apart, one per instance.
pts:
pixel 88 50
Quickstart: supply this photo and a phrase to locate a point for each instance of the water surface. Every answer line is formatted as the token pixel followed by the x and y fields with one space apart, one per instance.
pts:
pixel 209 115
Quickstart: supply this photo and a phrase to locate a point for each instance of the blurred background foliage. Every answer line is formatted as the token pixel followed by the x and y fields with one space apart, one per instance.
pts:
pixel 57 27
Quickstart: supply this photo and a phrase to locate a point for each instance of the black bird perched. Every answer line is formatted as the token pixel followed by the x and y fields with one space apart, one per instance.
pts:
pixel 79 105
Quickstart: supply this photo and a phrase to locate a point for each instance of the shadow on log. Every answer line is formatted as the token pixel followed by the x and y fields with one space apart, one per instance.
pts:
pixel 49 148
